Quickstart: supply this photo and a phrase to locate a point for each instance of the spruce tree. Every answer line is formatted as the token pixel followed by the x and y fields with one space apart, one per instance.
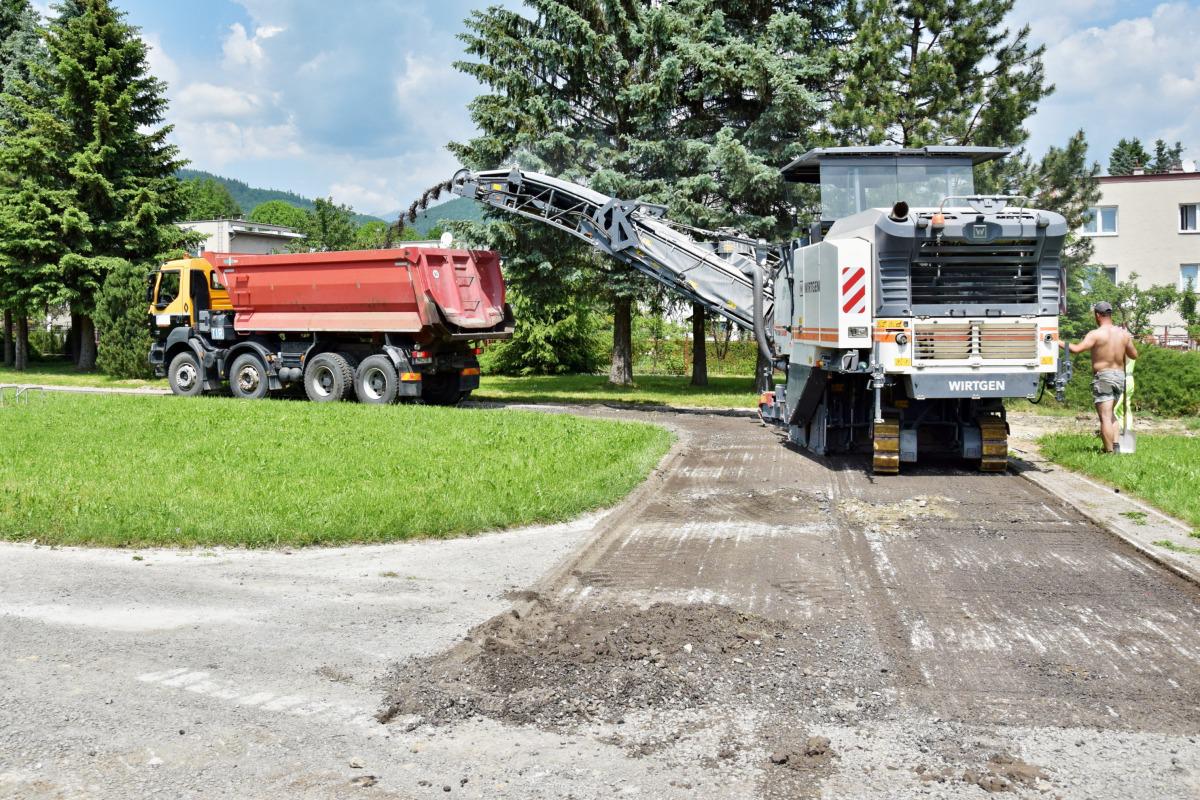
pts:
pixel 938 72
pixel 1064 182
pixel 23 283
pixel 1128 155
pixel 93 158
pixel 691 104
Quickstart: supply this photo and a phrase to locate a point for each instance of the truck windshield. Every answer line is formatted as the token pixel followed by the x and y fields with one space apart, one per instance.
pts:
pixel 168 287
pixel 849 186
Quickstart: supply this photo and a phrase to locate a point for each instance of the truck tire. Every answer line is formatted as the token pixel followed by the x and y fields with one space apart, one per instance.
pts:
pixel 248 377
pixel 186 375
pixel 440 389
pixel 376 381
pixel 328 378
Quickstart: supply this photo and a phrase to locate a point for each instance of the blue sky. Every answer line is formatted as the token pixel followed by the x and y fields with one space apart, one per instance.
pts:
pixel 356 99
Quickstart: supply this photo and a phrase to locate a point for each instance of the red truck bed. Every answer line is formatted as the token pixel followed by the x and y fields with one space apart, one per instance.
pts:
pixel 402 290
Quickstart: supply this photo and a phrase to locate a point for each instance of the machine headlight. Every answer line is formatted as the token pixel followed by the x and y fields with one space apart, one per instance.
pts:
pixel 901 339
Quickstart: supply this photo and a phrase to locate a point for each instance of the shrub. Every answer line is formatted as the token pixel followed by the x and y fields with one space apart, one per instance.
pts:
pixel 121 320
pixel 1167 382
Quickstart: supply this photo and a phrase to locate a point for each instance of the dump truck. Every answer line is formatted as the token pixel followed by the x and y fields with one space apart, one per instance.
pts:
pixel 899 323
pixel 381 326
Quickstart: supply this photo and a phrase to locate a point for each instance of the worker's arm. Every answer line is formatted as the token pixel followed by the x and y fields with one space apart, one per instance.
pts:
pixel 1085 345
pixel 1130 350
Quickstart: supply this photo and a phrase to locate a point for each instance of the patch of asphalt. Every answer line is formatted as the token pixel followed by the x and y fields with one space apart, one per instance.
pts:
pixel 1138 524
pixel 650 408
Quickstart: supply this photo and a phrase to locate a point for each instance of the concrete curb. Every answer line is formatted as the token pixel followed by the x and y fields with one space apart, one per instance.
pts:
pixel 145 391
pixel 1108 507
pixel 748 413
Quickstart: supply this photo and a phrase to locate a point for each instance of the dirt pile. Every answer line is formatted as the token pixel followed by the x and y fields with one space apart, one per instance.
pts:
pixel 550 666
pixel 814 753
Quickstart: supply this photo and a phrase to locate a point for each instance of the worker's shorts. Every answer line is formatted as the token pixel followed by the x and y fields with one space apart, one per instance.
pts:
pixel 1108 384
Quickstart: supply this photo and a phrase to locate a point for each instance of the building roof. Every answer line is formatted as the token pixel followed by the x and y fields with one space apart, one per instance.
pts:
pixel 245 226
pixel 807 168
pixel 1150 177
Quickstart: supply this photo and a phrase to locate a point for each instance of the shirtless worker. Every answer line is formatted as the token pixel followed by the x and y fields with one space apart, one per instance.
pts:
pixel 1110 347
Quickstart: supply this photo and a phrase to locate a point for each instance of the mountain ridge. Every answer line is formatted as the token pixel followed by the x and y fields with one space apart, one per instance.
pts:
pixel 248 197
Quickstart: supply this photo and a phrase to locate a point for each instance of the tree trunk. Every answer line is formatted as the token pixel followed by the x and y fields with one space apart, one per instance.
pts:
pixel 87 344
pixel 73 338
pixel 9 353
pixel 699 347
pixel 763 374
pixel 621 372
pixel 21 345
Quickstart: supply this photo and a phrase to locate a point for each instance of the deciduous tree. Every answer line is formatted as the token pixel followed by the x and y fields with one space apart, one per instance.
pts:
pixel 328 226
pixel 205 198
pixel 278 212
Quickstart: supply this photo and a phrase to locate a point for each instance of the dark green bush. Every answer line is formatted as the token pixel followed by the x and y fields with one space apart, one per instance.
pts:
pixel 1167 382
pixel 121 321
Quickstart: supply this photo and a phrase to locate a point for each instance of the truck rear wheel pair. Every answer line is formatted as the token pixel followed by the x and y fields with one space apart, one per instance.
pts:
pixel 329 378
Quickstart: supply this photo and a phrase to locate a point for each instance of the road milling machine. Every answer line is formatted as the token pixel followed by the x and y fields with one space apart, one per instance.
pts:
pixel 900 323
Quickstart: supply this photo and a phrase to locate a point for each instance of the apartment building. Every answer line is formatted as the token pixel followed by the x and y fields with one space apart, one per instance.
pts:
pixel 1149 225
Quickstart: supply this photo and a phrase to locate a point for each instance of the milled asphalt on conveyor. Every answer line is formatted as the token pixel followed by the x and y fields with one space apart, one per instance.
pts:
pixel 949 633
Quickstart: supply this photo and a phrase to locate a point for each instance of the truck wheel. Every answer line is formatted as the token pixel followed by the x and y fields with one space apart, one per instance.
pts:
pixel 440 389
pixel 328 378
pixel 376 381
pixel 248 377
pixel 185 375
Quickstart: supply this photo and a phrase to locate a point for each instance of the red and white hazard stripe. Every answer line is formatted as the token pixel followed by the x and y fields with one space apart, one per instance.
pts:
pixel 854 290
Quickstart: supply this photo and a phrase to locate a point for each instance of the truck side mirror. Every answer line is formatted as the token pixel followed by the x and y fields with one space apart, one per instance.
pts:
pixel 150 286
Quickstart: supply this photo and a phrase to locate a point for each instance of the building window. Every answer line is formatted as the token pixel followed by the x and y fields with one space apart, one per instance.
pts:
pixel 1100 221
pixel 1189 215
pixel 1110 273
pixel 1189 276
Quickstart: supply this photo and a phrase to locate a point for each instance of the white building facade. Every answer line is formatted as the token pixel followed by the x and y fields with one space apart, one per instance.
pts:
pixel 240 236
pixel 1149 225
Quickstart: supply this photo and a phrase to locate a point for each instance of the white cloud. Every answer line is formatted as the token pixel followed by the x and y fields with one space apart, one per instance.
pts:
pixel 243 50
pixel 204 101
pixel 162 66
pixel 216 143
pixel 1134 77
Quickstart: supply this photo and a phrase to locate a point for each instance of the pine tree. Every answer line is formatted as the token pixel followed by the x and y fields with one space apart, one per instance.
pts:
pixel 91 166
pixel 938 72
pixel 1128 155
pixel 691 104
pixel 1166 157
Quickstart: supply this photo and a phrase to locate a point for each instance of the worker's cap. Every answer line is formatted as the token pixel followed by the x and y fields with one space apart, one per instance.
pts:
pixel 1103 307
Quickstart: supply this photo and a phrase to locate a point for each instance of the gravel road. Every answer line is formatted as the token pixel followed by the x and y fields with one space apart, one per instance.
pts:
pixel 753 623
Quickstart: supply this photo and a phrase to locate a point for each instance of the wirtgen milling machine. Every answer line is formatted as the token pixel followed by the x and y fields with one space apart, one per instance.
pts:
pixel 915 307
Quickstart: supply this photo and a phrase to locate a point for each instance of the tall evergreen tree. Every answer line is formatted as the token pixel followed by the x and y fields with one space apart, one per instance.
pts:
pixel 1166 157
pixel 92 163
pixel 1064 182
pixel 1126 156
pixel 692 104
pixel 21 282
pixel 932 72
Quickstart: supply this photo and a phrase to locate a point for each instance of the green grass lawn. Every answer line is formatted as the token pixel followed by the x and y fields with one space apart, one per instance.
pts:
pixel 63 373
pixel 721 392
pixel 1165 470
pixel 143 471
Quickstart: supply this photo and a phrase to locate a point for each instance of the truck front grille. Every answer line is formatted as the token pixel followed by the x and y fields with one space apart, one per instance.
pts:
pixel 1002 272
pixel 975 339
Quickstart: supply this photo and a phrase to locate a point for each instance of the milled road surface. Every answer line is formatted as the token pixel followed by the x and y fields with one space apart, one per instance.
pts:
pixel 935 634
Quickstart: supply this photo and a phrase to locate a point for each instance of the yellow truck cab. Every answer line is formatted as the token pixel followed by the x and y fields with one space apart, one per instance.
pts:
pixel 181 289
pixel 183 296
